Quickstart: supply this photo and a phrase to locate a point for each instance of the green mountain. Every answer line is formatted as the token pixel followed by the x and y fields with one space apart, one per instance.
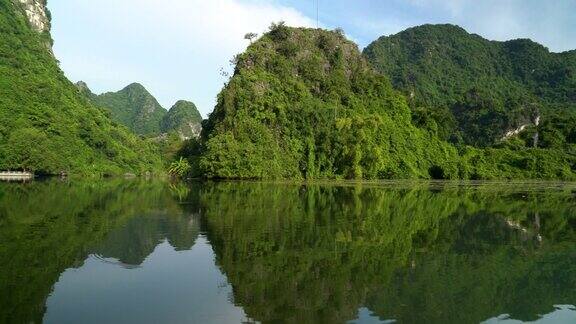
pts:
pixel 138 110
pixel 474 91
pixel 45 125
pixel 304 103
pixel 184 119
pixel 135 108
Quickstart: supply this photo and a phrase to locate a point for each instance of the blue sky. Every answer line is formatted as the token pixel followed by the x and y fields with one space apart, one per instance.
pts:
pixel 176 48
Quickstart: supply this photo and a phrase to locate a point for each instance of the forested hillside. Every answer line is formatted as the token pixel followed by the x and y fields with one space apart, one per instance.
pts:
pixel 135 108
pixel 46 126
pixel 184 119
pixel 138 110
pixel 474 91
pixel 304 103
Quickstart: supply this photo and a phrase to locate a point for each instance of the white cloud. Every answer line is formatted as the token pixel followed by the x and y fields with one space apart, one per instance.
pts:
pixel 174 47
pixel 551 23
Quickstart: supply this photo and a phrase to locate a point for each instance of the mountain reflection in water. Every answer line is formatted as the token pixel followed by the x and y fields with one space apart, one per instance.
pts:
pixel 134 251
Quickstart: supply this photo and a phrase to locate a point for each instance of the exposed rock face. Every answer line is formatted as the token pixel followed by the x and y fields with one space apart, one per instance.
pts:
pixel 196 129
pixel 37 14
pixel 85 90
pixel 513 132
pixel 185 119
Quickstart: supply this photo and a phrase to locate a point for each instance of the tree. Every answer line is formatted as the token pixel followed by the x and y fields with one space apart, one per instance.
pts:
pixel 250 36
pixel 27 150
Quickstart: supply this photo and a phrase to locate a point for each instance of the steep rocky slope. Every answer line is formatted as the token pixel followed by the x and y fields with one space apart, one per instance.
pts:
pixel 184 119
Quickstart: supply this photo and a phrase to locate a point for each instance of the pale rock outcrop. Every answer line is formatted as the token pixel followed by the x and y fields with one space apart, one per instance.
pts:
pixel 37 14
pixel 535 121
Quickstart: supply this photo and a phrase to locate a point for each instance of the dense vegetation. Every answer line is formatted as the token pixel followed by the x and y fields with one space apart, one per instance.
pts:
pixel 471 90
pixel 135 108
pixel 184 119
pixel 138 110
pixel 304 103
pixel 45 125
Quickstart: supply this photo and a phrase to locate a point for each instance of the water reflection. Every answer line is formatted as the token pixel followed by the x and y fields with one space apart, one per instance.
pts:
pixel 145 252
pixel 561 314
pixel 416 255
pixel 169 287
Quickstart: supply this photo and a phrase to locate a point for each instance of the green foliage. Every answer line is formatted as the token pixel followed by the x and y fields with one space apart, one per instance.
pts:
pixel 191 151
pixel 438 66
pixel 183 118
pixel 135 108
pixel 45 125
pixel 28 151
pixel 179 168
pixel 513 163
pixel 304 104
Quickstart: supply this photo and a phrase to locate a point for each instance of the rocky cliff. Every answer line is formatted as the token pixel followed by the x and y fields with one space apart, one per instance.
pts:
pixel 37 14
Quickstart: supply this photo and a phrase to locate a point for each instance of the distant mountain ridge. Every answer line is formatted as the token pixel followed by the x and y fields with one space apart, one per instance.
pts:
pixel 137 109
pixel 476 90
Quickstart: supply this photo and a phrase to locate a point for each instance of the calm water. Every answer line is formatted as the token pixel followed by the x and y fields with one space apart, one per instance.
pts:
pixel 152 252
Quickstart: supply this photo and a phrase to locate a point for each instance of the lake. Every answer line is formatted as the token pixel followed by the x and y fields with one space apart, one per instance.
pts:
pixel 135 251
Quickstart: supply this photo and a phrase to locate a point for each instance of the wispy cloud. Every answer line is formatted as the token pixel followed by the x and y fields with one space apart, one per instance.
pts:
pixel 151 41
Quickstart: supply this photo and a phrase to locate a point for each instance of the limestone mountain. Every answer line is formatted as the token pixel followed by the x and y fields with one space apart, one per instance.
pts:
pixel 183 118
pixel 304 103
pixel 477 91
pixel 45 124
pixel 135 108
